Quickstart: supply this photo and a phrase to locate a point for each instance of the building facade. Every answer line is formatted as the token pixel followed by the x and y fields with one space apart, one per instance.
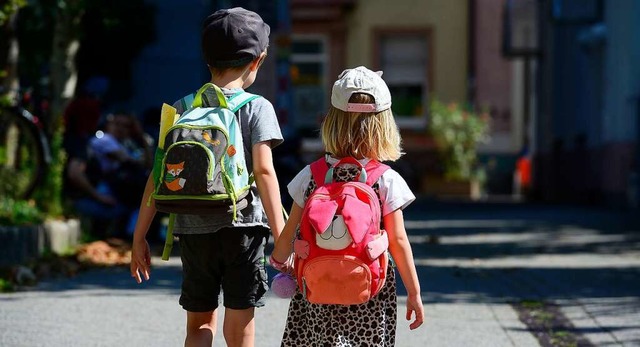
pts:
pixel 587 129
pixel 444 49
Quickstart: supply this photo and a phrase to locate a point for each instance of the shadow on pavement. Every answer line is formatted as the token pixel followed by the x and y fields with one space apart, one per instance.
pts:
pixel 507 252
pixel 165 278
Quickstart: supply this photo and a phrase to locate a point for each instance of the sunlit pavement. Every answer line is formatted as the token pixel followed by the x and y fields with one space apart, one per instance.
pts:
pixel 473 260
pixel 586 260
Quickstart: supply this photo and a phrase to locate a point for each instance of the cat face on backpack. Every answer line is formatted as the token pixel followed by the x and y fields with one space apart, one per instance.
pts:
pixel 336 236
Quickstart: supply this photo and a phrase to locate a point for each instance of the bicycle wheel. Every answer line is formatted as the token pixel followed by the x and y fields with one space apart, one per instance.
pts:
pixel 23 153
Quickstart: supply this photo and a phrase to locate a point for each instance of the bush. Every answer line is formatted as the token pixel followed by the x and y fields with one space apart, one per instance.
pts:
pixel 50 193
pixel 458 132
pixel 19 212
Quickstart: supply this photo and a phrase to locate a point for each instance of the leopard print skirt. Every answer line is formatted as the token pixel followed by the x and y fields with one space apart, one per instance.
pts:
pixel 372 324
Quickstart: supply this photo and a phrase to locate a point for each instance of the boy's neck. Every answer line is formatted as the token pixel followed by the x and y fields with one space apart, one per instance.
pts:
pixel 229 79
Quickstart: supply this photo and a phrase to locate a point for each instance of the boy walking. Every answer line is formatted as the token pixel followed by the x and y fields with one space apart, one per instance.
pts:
pixel 219 252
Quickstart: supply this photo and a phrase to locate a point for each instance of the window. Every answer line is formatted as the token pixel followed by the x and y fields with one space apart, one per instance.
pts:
pixel 404 57
pixel 308 76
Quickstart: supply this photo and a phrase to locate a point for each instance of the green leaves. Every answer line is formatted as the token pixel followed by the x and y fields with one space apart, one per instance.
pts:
pixel 9 8
pixel 50 193
pixel 19 212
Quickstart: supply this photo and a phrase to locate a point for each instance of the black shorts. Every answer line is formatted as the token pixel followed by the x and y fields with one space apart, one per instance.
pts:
pixel 231 259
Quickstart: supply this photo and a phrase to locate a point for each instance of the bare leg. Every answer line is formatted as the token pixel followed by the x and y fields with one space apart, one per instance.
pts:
pixel 239 327
pixel 201 328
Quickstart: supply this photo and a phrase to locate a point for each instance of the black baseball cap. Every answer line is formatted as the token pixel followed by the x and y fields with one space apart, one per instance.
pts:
pixel 233 37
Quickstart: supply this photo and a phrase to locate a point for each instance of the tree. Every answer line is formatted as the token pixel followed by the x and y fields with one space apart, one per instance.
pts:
pixel 8 47
pixel 49 35
pixel 64 42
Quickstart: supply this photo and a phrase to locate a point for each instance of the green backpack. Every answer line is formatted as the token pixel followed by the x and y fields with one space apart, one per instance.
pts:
pixel 201 168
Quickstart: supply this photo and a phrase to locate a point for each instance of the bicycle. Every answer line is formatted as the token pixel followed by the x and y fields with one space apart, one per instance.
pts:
pixel 24 152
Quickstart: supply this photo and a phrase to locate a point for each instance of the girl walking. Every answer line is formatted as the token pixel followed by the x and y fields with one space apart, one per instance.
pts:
pixel 359 124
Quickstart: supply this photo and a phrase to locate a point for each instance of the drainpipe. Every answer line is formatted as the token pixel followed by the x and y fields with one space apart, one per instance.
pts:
pixel 633 188
pixel 471 54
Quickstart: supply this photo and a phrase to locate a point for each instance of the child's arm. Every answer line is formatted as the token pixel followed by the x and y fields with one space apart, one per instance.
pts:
pixel 284 245
pixel 268 187
pixel 140 254
pixel 400 249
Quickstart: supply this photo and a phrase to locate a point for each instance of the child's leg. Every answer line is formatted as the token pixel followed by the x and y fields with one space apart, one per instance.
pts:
pixel 239 327
pixel 244 283
pixel 201 328
pixel 201 278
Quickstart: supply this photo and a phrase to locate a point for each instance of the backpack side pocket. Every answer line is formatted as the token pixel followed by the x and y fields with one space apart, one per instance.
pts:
pixel 342 280
pixel 158 161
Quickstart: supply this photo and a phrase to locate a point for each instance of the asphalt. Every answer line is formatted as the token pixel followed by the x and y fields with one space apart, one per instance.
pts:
pixel 475 260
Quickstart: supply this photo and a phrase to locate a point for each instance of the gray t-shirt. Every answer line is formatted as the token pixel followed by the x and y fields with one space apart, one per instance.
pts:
pixel 259 123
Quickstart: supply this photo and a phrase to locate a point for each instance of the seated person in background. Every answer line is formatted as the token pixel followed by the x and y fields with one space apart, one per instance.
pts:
pixel 107 183
pixel 82 114
pixel 125 158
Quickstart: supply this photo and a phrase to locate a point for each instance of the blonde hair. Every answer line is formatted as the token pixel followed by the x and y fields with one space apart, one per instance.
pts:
pixel 361 135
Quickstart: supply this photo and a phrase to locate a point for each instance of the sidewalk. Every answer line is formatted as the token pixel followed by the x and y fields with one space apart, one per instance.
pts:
pixel 474 261
pixel 585 260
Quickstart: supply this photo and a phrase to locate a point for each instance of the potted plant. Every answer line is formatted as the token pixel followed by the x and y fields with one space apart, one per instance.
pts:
pixel 457 132
pixel 62 233
pixel 20 231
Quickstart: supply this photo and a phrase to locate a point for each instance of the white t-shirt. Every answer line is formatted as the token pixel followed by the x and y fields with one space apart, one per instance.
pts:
pixel 394 191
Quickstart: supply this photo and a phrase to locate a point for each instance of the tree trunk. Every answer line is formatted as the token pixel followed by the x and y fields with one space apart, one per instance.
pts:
pixel 9 53
pixel 63 84
pixel 63 71
pixel 9 86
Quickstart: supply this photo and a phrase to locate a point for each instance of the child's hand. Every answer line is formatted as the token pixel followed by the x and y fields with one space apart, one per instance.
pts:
pixel 414 305
pixel 286 267
pixel 140 260
pixel 290 266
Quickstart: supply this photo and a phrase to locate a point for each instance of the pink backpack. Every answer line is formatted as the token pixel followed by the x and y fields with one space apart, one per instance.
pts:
pixel 341 253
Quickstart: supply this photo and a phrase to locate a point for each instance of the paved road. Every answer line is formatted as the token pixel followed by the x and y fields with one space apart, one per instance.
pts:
pixel 473 261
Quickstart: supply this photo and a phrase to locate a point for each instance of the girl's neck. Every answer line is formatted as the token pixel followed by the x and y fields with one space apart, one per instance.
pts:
pixel 334 157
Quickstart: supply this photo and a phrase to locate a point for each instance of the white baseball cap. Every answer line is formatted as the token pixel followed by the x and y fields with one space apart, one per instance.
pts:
pixel 360 80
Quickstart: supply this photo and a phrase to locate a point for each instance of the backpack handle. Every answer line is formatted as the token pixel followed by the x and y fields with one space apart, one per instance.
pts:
pixel 362 177
pixel 373 171
pixel 197 100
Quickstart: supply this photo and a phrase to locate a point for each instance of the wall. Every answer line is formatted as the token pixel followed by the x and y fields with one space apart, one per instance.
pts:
pixel 448 20
pixel 495 78
pixel 621 97
pixel 172 66
pixel 498 86
pixel 588 121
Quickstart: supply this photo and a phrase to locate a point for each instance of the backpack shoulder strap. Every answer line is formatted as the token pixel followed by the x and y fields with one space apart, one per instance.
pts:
pixel 187 101
pixel 168 243
pixel 238 100
pixel 319 170
pixel 375 169
pixel 234 102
